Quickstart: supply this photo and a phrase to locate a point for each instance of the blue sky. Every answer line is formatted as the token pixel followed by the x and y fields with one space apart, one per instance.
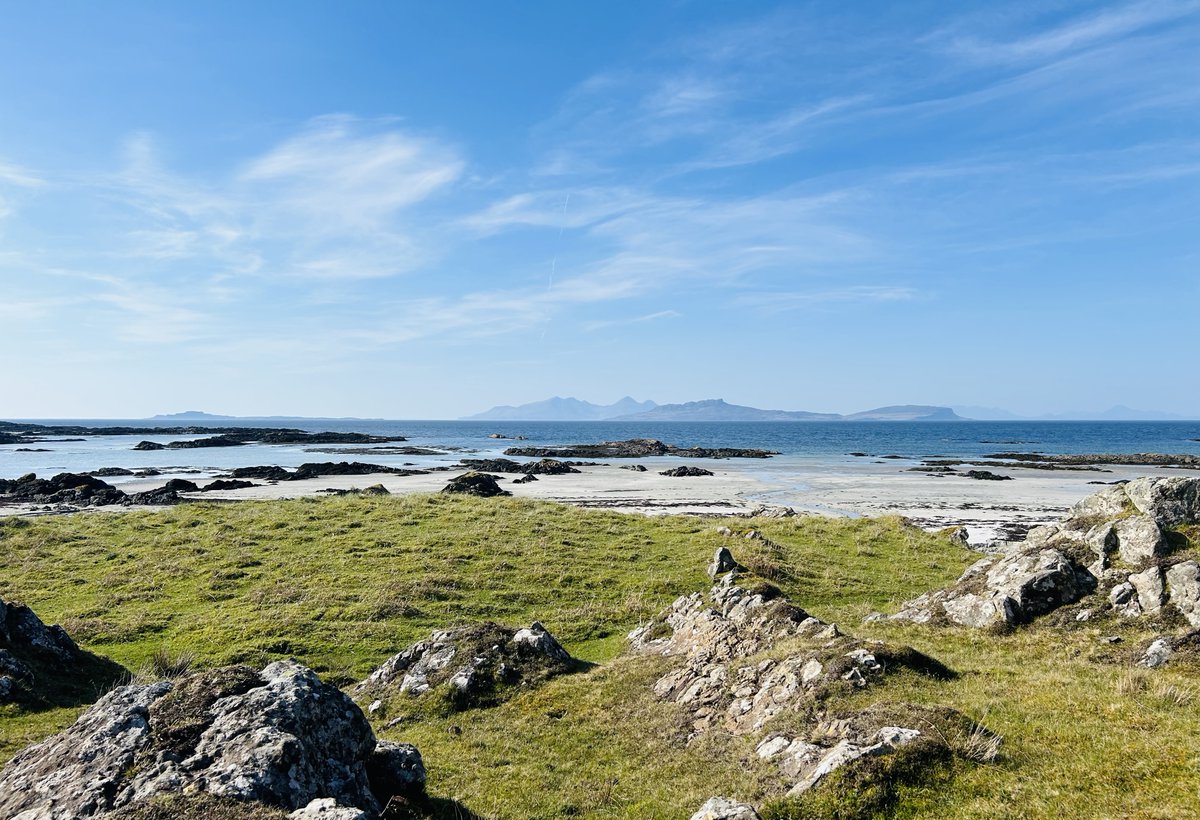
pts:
pixel 424 209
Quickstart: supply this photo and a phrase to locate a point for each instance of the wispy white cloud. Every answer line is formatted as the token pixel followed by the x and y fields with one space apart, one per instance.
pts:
pixel 778 302
pixel 636 320
pixel 1073 35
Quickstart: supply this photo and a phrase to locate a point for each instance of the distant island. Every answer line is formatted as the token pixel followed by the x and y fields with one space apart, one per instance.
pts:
pixel 628 409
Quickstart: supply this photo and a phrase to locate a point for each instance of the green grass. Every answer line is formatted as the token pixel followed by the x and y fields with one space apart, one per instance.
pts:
pixel 342 583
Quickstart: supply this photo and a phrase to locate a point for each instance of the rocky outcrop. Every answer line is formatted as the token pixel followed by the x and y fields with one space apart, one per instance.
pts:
pixel 722 808
pixel 686 472
pixel 64 488
pixel 525 479
pixel 192 444
pixel 636 448
pixel 808 664
pixel 469 666
pixel 1118 543
pixel 278 737
pixel 473 483
pixel 319 470
pixel 547 466
pixel 20 432
pixel 41 666
pixel 222 484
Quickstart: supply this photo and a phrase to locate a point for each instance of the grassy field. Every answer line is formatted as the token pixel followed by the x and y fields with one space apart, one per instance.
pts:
pixel 342 583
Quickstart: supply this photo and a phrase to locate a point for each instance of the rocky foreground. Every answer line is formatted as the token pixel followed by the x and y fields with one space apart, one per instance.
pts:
pixel 739 661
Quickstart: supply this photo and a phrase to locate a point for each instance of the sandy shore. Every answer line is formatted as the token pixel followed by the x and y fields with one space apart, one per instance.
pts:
pixel 990 510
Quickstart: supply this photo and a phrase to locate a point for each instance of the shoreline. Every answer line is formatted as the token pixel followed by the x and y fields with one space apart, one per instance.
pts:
pixel 990 510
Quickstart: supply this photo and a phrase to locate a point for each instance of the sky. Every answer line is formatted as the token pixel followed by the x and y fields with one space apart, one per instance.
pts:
pixel 421 210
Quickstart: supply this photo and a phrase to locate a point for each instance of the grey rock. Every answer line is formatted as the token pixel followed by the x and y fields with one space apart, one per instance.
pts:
pixel 76 773
pixel 722 808
pixel 1169 501
pixel 1139 539
pixel 471 659
pixel 327 808
pixel 722 562
pixel 978 611
pixel 1183 584
pixel 1151 591
pixel 280 737
pixel 1106 504
pixel 1124 600
pixel 1157 653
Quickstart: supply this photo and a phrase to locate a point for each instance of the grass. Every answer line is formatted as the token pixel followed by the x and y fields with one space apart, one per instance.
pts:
pixel 342 583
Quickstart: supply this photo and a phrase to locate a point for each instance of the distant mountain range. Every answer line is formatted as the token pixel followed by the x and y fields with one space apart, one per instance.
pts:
pixel 627 409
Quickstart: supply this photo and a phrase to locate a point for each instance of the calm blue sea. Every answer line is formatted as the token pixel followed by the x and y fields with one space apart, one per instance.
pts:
pixel 809 443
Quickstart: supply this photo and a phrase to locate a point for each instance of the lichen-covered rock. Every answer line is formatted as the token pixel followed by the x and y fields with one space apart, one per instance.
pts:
pixel 722 808
pixel 477 664
pixel 1004 590
pixel 41 665
pixel 1116 542
pixel 1183 584
pixel 279 737
pixel 1169 501
pixel 723 692
pixel 1139 539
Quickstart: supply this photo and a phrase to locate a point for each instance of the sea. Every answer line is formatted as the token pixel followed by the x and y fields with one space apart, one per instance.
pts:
pixel 802 446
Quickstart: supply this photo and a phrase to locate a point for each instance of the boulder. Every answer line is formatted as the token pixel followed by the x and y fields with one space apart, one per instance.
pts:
pixel 40 665
pixel 1169 501
pixel 475 665
pixel 529 478
pixel 722 808
pixel 1139 539
pixel 1157 653
pixel 1004 590
pixel 279 737
pixel 477 484
pixel 1183 585
pixel 725 683
pixel 686 472
pixel 722 562
pixel 1150 589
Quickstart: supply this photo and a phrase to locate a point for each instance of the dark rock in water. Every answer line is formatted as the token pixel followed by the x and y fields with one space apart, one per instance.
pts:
pixel 637 468
pixel 686 472
pixel 477 665
pixel 226 484
pixel 987 475
pixel 635 448
pixel 858 454
pixel 193 444
pixel 894 457
pixel 279 737
pixel 108 472
pixel 319 469
pixel 472 483
pixel 41 666
pixel 149 472
pixel 1136 459
pixel 326 468
pixel 528 478
pixel 149 445
pixel 547 466
pixel 267 435
pixel 32 450
pixel 64 488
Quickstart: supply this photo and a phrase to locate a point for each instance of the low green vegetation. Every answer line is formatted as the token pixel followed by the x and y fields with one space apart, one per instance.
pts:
pixel 342 583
